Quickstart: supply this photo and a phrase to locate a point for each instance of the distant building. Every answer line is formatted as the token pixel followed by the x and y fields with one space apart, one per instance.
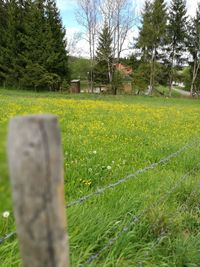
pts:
pixel 75 87
pixel 125 70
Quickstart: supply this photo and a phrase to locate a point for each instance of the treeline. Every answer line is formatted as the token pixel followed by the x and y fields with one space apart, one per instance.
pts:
pixel 167 48
pixel 32 45
pixel 168 42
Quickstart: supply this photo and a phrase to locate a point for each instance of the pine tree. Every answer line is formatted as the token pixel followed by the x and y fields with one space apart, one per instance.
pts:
pixel 152 35
pixel 104 69
pixel 176 34
pixel 193 44
pixel 58 61
pixel 145 41
pixel 3 28
pixel 20 16
pixel 8 43
pixel 32 44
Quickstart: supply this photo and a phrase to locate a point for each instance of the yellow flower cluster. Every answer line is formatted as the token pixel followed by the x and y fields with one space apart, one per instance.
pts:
pixel 126 134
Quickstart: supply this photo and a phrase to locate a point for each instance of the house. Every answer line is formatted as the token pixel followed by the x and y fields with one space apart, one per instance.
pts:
pixel 125 70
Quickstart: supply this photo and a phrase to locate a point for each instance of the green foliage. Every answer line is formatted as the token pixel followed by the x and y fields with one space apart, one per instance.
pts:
pixel 152 35
pixel 185 77
pixel 133 62
pixel 104 70
pixel 100 73
pixel 153 29
pixel 35 76
pixel 117 82
pixel 146 31
pixel 193 37
pixel 193 45
pixel 177 31
pixel 33 37
pixel 162 74
pixel 79 67
pixel 158 23
pixel 65 87
pixel 141 78
pixel 104 49
pixel 176 37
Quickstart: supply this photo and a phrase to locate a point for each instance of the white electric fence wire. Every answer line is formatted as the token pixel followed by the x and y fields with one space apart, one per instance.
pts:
pixel 119 182
pixel 136 219
pixel 132 175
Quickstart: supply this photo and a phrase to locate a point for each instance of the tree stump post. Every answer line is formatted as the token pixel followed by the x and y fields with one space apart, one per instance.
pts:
pixel 36 172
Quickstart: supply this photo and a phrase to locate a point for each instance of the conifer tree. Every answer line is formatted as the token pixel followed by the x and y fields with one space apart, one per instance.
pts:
pixel 104 57
pixel 58 62
pixel 176 34
pixel 152 34
pixel 35 41
pixel 146 32
pixel 193 44
pixel 32 44
pixel 3 28
pixel 8 48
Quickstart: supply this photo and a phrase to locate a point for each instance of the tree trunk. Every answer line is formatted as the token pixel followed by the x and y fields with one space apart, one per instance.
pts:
pixel 194 76
pixel 152 73
pixel 91 62
pixel 171 75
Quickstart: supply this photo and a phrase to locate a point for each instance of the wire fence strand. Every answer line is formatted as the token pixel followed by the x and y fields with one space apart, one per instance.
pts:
pixel 132 175
pixel 8 236
pixel 119 182
pixel 162 236
pixel 136 219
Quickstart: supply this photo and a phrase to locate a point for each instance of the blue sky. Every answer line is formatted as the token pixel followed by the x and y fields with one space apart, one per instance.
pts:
pixel 68 7
pixel 67 10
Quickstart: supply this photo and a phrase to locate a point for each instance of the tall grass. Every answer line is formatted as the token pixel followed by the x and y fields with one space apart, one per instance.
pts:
pixel 104 139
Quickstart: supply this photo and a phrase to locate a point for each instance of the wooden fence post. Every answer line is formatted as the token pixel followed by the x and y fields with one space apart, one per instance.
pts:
pixel 36 171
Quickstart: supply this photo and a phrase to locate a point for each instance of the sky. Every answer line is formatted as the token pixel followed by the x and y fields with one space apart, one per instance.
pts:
pixel 67 10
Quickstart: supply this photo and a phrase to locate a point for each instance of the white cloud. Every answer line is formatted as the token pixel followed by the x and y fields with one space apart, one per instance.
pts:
pixel 72 30
pixel 78 46
pixel 82 47
pixel 192 6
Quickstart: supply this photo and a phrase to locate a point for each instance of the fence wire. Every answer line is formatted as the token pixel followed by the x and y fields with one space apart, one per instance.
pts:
pixel 136 219
pixel 3 239
pixel 119 182
pixel 132 175
pixel 162 236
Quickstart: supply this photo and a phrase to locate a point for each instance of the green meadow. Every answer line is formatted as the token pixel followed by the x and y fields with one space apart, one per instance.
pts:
pixel 149 220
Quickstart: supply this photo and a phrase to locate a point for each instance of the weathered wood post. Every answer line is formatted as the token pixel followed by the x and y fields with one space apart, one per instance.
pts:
pixel 36 171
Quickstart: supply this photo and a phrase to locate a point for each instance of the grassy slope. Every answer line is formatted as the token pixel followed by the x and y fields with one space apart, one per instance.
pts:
pixel 127 133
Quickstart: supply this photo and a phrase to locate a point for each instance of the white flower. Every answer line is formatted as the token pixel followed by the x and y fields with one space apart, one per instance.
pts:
pixel 6 214
pixel 94 152
pixel 109 167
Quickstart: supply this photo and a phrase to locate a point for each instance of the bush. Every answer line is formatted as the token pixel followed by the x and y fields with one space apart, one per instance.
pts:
pixel 141 79
pixel 36 76
pixel 117 82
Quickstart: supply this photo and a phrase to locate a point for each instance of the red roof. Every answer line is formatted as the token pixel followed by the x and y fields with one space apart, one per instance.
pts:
pixel 124 69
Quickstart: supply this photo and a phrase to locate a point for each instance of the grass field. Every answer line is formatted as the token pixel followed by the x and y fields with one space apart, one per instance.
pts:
pixel 105 138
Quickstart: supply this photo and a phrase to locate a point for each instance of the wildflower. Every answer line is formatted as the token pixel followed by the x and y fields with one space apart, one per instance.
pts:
pixel 94 152
pixel 109 167
pixel 6 214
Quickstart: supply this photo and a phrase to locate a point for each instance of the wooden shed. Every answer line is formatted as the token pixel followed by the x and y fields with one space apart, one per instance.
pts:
pixel 75 87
